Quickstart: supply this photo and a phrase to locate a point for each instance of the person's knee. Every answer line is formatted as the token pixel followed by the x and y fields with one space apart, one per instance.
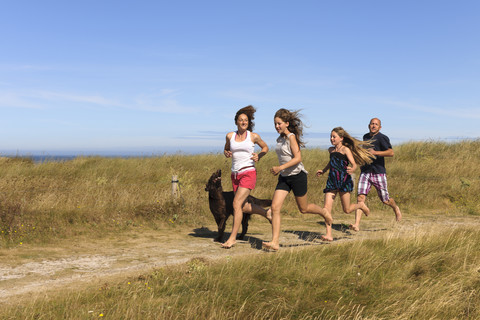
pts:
pixel 361 198
pixel 237 205
pixel 303 210
pixel 389 202
pixel 247 207
pixel 275 207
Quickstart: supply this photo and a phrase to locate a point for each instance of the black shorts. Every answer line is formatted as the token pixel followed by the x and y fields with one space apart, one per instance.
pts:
pixel 297 183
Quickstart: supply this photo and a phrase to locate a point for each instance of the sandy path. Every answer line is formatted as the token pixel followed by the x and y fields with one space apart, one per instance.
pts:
pixel 27 271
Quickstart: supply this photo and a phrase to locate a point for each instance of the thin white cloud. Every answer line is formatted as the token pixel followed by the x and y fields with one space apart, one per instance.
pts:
pixel 171 106
pixel 91 99
pixel 332 82
pixel 34 68
pixel 13 100
pixel 256 93
pixel 165 101
pixel 164 92
pixel 42 99
pixel 454 111
pixel 25 67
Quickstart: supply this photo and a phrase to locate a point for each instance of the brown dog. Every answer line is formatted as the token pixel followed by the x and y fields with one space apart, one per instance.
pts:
pixel 221 204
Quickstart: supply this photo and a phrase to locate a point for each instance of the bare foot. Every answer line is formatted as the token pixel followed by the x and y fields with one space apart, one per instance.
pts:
pixel 228 245
pixel 365 209
pixel 398 213
pixel 354 227
pixel 270 246
pixel 268 215
pixel 325 238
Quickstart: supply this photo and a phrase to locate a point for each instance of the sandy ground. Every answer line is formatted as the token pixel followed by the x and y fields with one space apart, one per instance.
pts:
pixel 28 271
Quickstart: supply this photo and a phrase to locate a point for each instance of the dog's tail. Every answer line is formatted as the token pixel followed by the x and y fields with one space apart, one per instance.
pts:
pixel 260 202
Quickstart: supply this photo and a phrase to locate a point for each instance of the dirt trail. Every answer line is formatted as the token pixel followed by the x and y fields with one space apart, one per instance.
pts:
pixel 28 271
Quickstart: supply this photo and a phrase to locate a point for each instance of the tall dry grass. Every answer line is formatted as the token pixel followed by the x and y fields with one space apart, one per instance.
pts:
pixel 439 175
pixel 429 273
pixel 94 195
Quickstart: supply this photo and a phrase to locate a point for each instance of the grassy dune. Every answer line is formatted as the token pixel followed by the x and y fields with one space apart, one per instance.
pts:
pixel 428 273
pixel 94 196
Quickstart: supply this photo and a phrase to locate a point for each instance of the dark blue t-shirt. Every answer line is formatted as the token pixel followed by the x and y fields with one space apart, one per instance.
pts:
pixel 380 142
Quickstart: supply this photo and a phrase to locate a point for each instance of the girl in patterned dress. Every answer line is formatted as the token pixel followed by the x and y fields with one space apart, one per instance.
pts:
pixel 346 150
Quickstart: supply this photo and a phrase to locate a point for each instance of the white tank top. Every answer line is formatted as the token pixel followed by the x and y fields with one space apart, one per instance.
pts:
pixel 285 154
pixel 241 153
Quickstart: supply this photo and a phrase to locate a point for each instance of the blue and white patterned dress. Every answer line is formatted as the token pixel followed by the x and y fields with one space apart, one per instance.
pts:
pixel 338 178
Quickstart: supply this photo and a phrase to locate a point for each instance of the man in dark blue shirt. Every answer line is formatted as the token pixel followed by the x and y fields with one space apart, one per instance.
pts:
pixel 374 174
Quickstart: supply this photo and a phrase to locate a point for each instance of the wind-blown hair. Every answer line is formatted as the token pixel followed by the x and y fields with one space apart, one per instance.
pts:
pixel 249 111
pixel 295 124
pixel 359 149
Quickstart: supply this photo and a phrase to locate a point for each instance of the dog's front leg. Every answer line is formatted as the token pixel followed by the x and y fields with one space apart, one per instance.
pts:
pixel 221 228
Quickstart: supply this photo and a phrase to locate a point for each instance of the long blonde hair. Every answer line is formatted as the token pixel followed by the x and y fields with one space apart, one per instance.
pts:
pixel 295 124
pixel 359 149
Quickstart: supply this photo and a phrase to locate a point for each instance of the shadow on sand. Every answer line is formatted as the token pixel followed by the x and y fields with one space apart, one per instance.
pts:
pixel 310 238
pixel 203 232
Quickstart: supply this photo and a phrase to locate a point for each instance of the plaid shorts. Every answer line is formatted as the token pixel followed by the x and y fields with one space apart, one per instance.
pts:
pixel 378 180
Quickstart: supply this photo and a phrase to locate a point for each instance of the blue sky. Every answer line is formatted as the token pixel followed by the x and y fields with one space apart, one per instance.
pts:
pixel 162 76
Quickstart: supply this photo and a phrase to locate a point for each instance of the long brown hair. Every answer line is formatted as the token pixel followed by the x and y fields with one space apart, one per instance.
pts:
pixel 249 111
pixel 359 149
pixel 295 124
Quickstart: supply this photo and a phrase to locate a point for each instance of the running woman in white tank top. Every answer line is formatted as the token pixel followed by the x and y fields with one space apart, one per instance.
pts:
pixel 242 152
pixel 239 146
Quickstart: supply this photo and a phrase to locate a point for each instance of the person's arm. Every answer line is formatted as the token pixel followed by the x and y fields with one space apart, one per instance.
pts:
pixel 258 140
pixel 386 153
pixel 327 167
pixel 226 149
pixel 296 159
pixel 351 159
pixel 385 147
pixel 320 172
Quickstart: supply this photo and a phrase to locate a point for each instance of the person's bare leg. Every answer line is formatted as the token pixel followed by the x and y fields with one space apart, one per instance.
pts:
pixel 358 213
pixel 328 205
pixel 306 207
pixel 256 209
pixel 396 209
pixel 349 207
pixel 238 201
pixel 277 203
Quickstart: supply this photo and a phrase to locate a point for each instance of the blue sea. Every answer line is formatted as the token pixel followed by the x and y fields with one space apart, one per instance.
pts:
pixel 58 156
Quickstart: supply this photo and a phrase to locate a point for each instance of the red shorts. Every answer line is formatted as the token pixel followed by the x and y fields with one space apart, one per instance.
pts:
pixel 244 179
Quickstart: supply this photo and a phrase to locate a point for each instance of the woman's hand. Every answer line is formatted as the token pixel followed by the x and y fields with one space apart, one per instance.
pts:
pixel 275 170
pixel 227 153
pixel 350 170
pixel 255 157
pixel 319 173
